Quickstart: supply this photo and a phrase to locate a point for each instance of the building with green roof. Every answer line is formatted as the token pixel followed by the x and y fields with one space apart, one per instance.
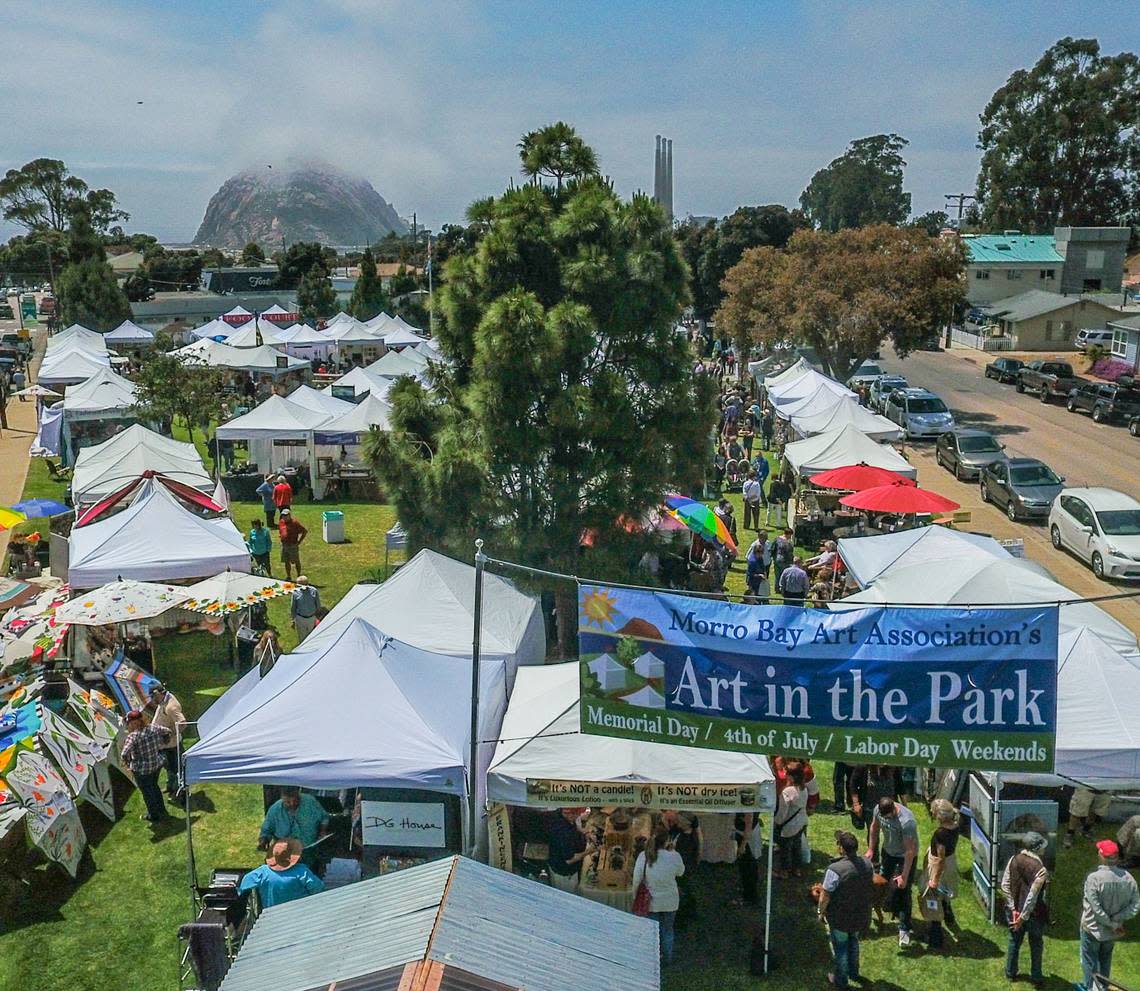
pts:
pixel 1071 260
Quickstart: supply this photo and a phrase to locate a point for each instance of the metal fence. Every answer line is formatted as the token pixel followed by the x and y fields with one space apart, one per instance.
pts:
pixel 981 341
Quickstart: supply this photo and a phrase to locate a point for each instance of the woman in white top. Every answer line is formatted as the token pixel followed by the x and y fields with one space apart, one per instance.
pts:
pixel 791 821
pixel 659 867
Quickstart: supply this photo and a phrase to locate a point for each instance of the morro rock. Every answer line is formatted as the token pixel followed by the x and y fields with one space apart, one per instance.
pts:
pixel 312 201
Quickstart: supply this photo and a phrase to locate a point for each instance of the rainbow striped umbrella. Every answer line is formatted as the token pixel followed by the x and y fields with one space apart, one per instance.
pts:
pixel 700 519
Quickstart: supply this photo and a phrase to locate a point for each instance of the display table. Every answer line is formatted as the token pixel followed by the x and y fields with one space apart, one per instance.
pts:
pixel 608 877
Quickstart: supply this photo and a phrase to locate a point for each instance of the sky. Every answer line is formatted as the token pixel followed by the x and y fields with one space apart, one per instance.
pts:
pixel 428 100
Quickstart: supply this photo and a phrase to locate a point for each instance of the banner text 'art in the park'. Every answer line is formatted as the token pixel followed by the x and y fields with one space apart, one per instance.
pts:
pixel 971 688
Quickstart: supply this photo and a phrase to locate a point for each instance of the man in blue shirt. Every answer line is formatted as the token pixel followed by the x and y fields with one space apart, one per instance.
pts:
pixel 282 878
pixel 265 490
pixel 293 816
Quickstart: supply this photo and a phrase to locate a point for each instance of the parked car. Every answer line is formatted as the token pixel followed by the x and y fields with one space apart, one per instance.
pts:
pixel 967 452
pixel 1048 379
pixel 1087 338
pixel 919 412
pixel 883 387
pixel 1023 487
pixel 1134 426
pixel 1004 369
pixel 1106 401
pixel 1101 527
pixel 865 374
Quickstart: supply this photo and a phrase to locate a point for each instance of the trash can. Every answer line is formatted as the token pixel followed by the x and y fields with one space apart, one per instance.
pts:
pixel 333 525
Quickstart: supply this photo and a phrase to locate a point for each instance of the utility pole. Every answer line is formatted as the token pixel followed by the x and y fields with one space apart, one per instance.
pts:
pixel 961 202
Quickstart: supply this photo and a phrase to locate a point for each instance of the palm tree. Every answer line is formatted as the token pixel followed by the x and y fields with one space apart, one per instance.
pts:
pixel 556 151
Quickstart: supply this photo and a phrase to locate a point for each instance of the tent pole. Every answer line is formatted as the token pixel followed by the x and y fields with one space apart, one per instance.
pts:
pixel 473 773
pixel 191 867
pixel 768 896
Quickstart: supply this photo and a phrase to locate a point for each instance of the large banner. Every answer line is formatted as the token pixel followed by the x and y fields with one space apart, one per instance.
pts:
pixel 972 688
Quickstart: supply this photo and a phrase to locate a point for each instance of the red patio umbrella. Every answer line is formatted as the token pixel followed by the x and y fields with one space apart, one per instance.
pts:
pixel 858 477
pixel 899 497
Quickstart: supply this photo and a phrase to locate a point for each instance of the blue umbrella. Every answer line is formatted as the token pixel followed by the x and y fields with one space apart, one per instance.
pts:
pixel 35 509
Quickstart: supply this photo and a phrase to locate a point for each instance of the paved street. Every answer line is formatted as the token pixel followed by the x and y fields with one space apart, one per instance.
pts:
pixel 1086 453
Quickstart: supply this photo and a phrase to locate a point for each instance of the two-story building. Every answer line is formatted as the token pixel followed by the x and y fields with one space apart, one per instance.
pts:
pixel 1070 261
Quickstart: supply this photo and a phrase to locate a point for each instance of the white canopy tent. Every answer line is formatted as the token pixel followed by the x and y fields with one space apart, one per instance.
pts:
pixel 351 331
pixel 155 538
pixel 107 467
pixel 812 385
pixel 430 603
pixel 252 334
pixel 397 363
pixel 790 374
pixel 215 328
pixel 302 339
pixel 103 392
pixel 364 711
pixel 362 383
pixel 275 419
pixel 128 333
pixel 319 401
pixel 261 360
pixel 867 558
pixel 1098 715
pixel 839 448
pixel 381 322
pixel 358 419
pixel 841 413
pixel 986 580
pixel 71 365
pixel 402 336
pixel 429 350
pixel 542 738
pixel 91 340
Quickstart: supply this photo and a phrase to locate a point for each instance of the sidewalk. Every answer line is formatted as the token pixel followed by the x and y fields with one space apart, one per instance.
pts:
pixel 17 439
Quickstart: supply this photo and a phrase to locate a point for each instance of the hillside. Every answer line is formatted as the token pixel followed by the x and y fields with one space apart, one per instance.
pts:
pixel 305 202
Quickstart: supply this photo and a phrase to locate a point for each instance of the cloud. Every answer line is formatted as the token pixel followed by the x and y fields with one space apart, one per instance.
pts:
pixel 428 100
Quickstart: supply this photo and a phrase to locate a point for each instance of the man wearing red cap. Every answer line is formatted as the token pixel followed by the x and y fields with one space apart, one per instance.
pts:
pixel 1111 899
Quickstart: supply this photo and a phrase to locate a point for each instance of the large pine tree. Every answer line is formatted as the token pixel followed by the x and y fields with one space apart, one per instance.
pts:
pixel 569 402
pixel 86 288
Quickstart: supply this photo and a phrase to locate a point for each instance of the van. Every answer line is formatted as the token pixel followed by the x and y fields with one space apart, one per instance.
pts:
pixel 1087 338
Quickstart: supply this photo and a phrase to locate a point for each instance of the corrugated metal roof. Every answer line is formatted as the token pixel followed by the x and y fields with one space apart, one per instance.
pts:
pixel 510 929
pixel 348 932
pixel 1012 248
pixel 493 925
pixel 1035 303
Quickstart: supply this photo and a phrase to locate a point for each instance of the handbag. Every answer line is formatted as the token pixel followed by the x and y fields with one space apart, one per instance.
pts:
pixel 641 900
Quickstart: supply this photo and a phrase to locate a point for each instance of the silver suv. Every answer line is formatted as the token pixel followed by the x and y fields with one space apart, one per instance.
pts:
pixel 919 412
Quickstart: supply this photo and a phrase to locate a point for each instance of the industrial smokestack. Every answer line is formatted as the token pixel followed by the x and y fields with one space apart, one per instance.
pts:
pixel 657 177
pixel 669 180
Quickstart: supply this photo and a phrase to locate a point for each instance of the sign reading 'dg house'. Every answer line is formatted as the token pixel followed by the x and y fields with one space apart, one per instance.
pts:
pixel 971 688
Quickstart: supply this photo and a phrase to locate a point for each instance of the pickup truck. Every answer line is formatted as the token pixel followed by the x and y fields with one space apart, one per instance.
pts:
pixel 1048 380
pixel 1106 402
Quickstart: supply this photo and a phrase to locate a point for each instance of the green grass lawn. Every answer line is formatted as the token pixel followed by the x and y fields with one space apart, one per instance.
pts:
pixel 713 954
pixel 114 929
pixel 115 926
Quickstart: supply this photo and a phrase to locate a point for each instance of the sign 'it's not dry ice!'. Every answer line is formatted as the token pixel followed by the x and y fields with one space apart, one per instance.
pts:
pixel 970 688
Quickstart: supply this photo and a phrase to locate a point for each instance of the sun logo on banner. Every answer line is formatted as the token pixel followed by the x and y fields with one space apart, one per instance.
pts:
pixel 598 608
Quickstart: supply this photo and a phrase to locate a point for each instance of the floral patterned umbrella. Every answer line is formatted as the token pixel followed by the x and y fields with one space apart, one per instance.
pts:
pixel 120 602
pixel 232 591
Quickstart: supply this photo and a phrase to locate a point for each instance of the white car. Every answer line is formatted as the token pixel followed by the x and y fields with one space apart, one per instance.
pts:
pixel 1101 527
pixel 865 374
